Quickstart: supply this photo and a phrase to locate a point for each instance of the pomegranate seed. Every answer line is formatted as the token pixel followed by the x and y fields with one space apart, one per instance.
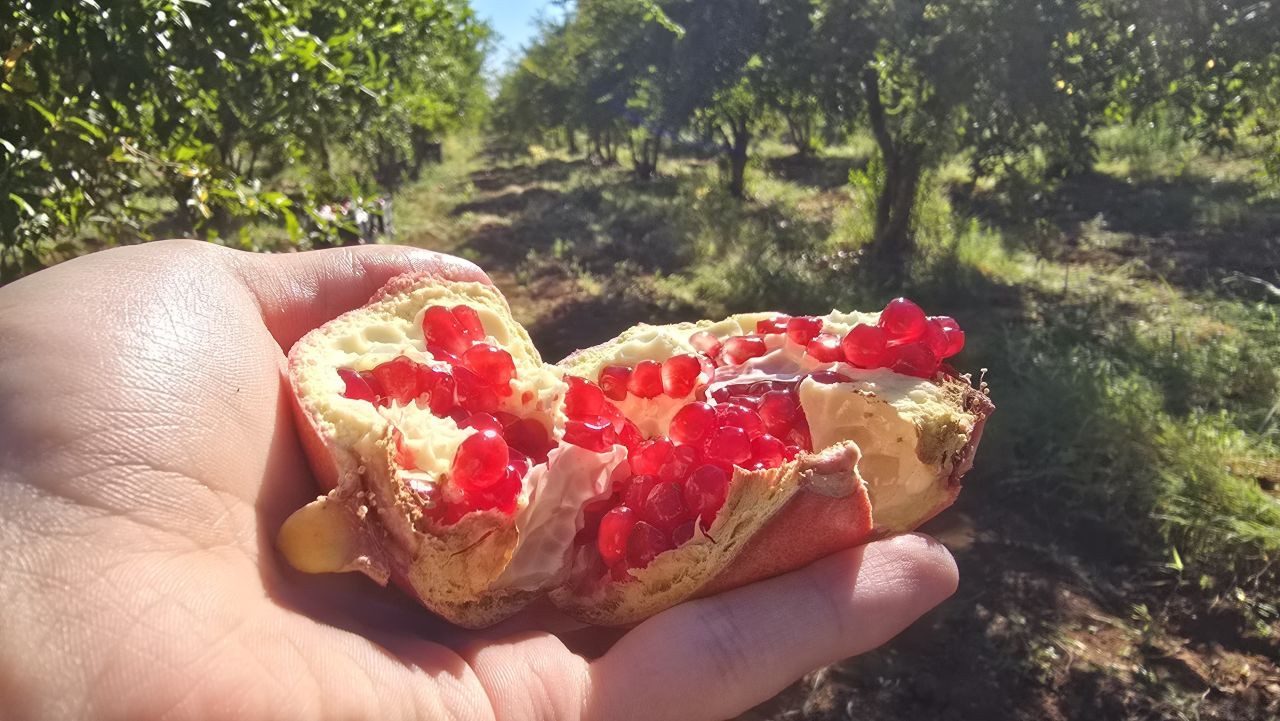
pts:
pixel 610 411
pixel 439 387
pixel 776 324
pixel 592 433
pixel 638 488
pixel 705 492
pixel 592 514
pixel 664 506
pixel 825 348
pixel 505 418
pixel 615 529
pixel 729 444
pixel 722 394
pixel 502 495
pixel 768 451
pixel 651 455
pixel 474 394
pixel 441 329
pixel 491 363
pixel 692 423
pixel 799 435
pixel 677 465
pixel 915 359
pixel 613 381
pixel 441 354
pixel 790 452
pixel 951 332
pixel 645 543
pixel 517 462
pixel 778 410
pixel 683 534
pixel 741 348
pixel 399 379
pixel 803 328
pixel 482 422
pixel 706 343
pixel 583 398
pixel 934 338
pixel 739 416
pixel 375 386
pixel 865 346
pixel 620 571
pixel 646 379
pixel 679 375
pixel 469 320
pixel 530 437
pixel 829 377
pixel 902 320
pixel 356 387
pixel 630 436
pixel 481 461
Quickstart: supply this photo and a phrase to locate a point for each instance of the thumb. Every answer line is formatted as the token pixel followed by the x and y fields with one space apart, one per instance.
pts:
pixel 301 291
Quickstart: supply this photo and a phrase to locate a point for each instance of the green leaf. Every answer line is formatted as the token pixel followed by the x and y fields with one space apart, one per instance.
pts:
pixel 92 129
pixel 48 116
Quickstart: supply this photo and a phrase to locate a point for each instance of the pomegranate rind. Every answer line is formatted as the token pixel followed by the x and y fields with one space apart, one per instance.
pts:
pixel 371 520
pixel 778 520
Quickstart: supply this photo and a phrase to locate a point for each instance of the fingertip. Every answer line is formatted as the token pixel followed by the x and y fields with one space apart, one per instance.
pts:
pixel 923 562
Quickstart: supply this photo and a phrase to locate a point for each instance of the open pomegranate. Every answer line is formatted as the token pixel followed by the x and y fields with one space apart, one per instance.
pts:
pixel 671 462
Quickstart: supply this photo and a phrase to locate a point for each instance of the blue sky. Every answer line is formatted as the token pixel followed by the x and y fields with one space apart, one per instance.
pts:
pixel 513 21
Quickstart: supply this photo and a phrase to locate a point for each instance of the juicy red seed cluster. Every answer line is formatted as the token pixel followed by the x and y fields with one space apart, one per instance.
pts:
pixel 904 340
pixel 489 465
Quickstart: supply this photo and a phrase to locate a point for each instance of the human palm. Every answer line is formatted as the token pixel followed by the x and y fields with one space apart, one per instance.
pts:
pixel 149 454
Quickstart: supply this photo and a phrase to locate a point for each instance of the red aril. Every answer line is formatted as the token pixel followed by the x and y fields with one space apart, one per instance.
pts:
pixel 613 382
pixel 583 398
pixel 530 437
pixel 481 461
pixel 651 455
pixel 439 387
pixel 902 320
pixel 825 348
pixel 501 496
pixel 629 435
pixel 399 379
pixel 682 534
pixel 729 444
pixel 706 343
pixel 646 379
pixel 705 491
pixel 474 394
pixel 678 463
pixel 866 346
pixel 915 359
pixel 804 328
pixel 778 410
pixel 482 422
pixel 692 423
pixel 799 435
pixel 829 377
pixel 615 529
pixel 469 319
pixel 739 416
pixel 637 490
pixel 645 543
pixel 494 365
pixel 776 324
pixel 664 506
pixel 679 375
pixel 767 451
pixel 742 348
pixel 951 332
pixel 592 433
pixel 441 329
pixel 357 388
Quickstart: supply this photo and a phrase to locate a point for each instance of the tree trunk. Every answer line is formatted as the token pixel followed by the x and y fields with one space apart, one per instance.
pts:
pixel 571 139
pixel 800 127
pixel 893 243
pixel 738 157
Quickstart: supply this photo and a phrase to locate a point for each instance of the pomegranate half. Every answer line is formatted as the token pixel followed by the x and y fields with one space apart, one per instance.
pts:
pixel 671 462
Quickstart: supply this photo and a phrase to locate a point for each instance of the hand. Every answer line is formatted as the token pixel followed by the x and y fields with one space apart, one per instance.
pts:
pixel 148 457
